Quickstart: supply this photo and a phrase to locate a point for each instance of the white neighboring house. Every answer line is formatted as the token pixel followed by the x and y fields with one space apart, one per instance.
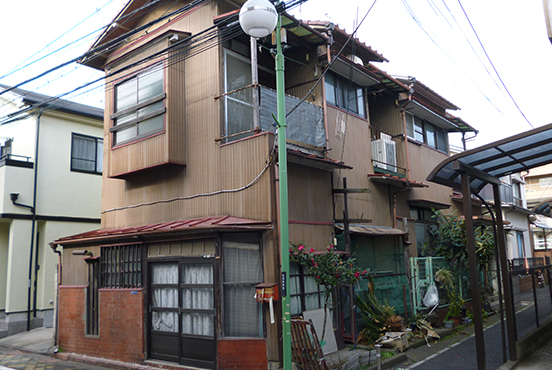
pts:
pixel 515 212
pixel 50 186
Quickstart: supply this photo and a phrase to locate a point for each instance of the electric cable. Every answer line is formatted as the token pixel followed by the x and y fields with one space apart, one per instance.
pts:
pixel 494 68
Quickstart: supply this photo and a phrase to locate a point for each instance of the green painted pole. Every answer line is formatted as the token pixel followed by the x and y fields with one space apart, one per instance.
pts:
pixel 283 187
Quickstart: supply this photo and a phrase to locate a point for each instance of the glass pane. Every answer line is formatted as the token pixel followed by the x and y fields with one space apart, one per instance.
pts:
pixel 238 73
pixel 294 287
pixel 165 297
pixel 310 285
pixel 239 116
pixel 150 108
pixel 409 125
pixel 151 125
pixel 241 312
pixel 197 298
pixel 349 96
pixel 126 95
pixel 295 305
pixel 242 262
pixel 164 321
pixel 360 102
pixel 330 89
pixel 150 84
pixel 198 324
pixel 126 118
pixel 430 136
pixel 418 130
pixel 164 274
pixel 441 140
pixel 99 156
pixel 195 273
pixel 126 134
pixel 312 302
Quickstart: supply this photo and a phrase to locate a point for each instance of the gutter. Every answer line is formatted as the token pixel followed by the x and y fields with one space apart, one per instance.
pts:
pixel 56 307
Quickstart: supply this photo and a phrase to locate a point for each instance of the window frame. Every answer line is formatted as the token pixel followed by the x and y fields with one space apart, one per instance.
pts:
pixel 419 130
pixel 118 272
pixel 138 121
pixel 98 154
pixel 301 276
pixel 336 86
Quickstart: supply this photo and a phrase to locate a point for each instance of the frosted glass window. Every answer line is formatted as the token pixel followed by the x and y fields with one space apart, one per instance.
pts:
pixel 139 107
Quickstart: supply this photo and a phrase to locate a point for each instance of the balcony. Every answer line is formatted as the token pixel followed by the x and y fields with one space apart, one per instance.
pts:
pixel 16 161
pixel 253 109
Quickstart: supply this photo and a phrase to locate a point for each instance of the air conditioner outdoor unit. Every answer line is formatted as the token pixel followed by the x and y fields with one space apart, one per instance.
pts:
pixel 384 154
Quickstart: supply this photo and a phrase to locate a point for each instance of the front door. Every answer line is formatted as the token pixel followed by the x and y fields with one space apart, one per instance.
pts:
pixel 182 313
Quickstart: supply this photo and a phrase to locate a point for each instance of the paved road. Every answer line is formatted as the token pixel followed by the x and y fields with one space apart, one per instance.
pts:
pixel 461 354
pixel 15 359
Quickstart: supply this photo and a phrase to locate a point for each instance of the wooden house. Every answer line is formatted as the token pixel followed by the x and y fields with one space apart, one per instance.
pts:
pixel 190 201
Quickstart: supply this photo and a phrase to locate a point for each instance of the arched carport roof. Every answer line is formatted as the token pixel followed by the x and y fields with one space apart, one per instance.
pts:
pixel 489 162
pixel 469 172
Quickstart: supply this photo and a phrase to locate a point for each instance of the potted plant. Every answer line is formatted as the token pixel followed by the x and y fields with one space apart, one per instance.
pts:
pixel 455 310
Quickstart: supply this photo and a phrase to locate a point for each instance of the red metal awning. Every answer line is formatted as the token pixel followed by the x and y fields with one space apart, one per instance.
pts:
pixel 219 223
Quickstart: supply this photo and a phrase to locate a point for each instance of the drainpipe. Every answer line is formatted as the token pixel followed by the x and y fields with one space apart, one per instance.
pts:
pixel 403 114
pixel 329 29
pixel 56 316
pixel 33 246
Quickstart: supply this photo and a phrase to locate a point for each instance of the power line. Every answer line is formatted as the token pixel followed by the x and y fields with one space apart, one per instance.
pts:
pixel 16 68
pixel 492 64
pixel 101 49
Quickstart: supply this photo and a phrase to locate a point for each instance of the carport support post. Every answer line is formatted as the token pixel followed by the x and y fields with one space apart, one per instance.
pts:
pixel 474 280
pixel 505 274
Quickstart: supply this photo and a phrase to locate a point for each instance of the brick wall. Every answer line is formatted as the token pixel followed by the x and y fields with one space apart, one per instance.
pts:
pixel 243 354
pixel 121 324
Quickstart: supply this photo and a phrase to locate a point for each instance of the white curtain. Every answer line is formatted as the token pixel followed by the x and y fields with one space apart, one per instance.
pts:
pixel 84 153
pixel 200 298
pixel 242 271
pixel 165 297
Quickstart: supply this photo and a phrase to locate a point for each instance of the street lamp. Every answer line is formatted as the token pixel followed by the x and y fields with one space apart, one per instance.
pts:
pixel 258 18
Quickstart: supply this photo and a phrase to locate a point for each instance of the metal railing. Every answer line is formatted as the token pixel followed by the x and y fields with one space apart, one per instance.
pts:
pixel 384 153
pixel 305 125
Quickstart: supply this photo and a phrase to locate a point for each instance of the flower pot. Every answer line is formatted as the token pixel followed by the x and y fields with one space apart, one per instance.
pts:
pixel 456 319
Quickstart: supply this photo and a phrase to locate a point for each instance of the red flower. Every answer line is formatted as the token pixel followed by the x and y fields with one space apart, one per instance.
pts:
pixel 312 250
pixel 301 247
pixel 357 274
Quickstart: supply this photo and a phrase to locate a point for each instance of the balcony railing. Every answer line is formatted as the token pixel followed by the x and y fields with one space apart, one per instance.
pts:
pixel 305 125
pixel 15 160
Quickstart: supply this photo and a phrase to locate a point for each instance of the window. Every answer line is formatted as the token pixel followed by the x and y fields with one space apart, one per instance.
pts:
pixel 121 266
pixel 86 154
pixel 92 303
pixel 238 103
pixel 242 270
pixel 139 108
pixel 345 94
pixel 426 133
pixel 304 293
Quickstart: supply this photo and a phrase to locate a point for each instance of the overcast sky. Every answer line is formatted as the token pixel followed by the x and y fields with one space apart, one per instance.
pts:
pixel 428 39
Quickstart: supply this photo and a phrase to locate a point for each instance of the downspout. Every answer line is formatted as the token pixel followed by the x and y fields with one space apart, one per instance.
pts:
pixel 33 225
pixel 329 28
pixel 56 307
pixel 403 114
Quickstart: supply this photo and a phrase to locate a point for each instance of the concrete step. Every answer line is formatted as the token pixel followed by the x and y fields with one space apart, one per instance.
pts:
pixel 3 333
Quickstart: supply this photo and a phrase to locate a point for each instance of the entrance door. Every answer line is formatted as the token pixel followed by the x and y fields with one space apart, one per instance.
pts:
pixel 182 320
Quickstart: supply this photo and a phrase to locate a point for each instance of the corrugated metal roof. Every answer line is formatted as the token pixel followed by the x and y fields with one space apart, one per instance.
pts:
pixel 372 230
pixel 395 181
pixel 195 224
pixel 511 155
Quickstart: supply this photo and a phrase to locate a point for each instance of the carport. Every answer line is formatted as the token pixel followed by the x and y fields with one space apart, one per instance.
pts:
pixel 469 172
